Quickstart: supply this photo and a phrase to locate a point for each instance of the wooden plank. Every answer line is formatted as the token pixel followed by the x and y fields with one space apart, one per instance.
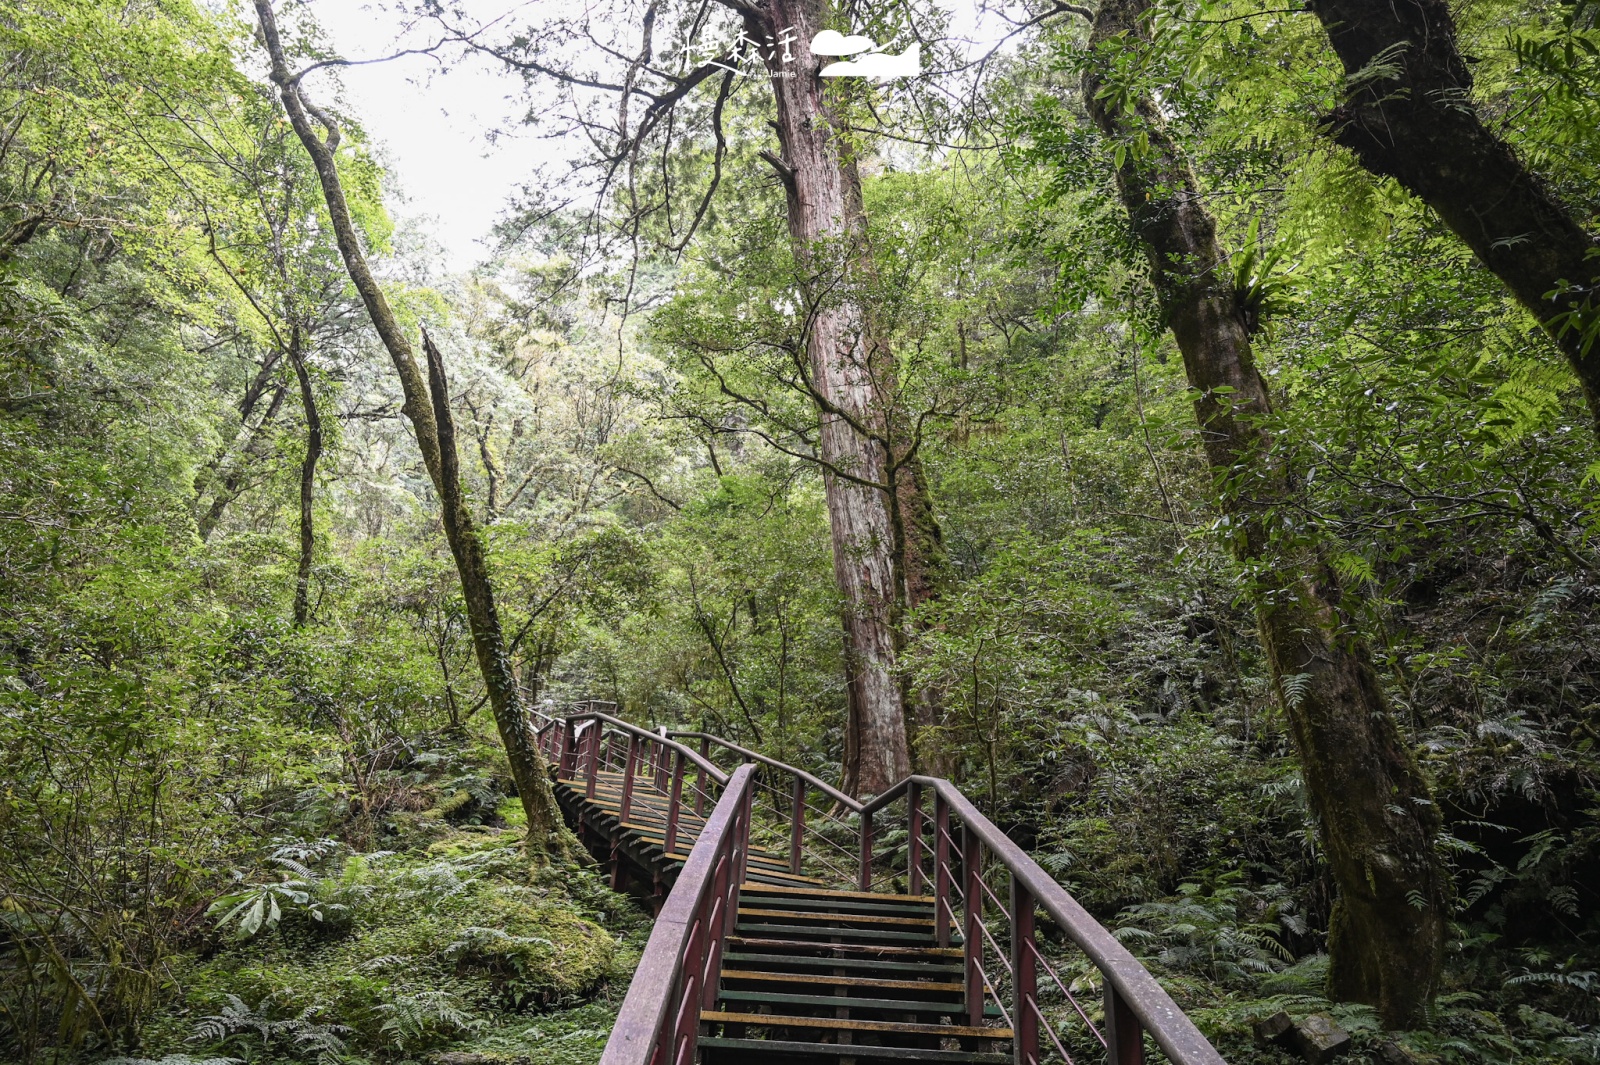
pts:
pixel 839 1024
pixel 847 948
pixel 875 965
pixel 847 1050
pixel 837 916
pixel 935 986
pixel 845 894
pixel 758 896
pixel 854 933
pixel 876 1005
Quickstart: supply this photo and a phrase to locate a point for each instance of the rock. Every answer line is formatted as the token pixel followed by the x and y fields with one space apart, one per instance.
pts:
pixel 1319 1039
pixel 1392 1053
pixel 1273 1030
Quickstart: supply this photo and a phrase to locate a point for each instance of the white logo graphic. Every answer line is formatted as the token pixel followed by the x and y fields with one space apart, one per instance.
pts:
pixel 747 56
pixel 876 65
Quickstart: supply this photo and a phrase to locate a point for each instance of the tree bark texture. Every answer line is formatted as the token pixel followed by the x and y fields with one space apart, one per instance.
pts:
pixel 254 450
pixel 1408 115
pixel 852 369
pixel 1375 816
pixel 427 408
pixel 308 479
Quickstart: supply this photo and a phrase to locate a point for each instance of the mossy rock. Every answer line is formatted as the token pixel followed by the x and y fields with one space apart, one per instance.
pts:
pixel 457 944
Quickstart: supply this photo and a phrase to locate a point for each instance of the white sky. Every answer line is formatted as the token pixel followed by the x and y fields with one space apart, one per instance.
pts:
pixel 432 123
pixel 432 126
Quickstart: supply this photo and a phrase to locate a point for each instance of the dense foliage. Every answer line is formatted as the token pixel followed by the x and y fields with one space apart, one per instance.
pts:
pixel 225 834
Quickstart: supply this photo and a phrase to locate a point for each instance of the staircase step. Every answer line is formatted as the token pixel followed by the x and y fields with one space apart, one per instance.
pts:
pixel 922 987
pixel 876 934
pixel 842 1024
pixel 872 896
pixel 765 1047
pixel 797 900
pixel 882 1005
pixel 836 917
pixel 874 950
pixel 879 965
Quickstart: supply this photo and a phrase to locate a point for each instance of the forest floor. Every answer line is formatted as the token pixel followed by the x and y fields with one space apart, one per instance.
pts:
pixel 442 943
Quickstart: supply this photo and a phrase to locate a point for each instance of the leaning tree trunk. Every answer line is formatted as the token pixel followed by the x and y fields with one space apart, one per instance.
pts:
pixel 308 479
pixel 1371 802
pixel 1408 114
pixel 425 407
pixel 852 370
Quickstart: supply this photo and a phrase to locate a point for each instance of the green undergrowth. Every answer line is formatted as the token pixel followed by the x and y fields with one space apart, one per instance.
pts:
pixel 459 945
pixel 1225 950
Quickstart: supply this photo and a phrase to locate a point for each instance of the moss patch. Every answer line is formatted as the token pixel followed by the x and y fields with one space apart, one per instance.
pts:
pixel 461 947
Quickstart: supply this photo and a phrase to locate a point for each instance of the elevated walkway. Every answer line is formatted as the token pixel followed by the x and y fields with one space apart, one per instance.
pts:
pixel 796 924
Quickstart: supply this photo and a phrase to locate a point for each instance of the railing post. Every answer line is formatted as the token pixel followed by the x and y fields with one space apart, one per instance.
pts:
pixel 710 974
pixel 700 795
pixel 865 878
pixel 943 915
pixel 593 760
pixel 914 845
pixel 674 801
pixel 1124 1036
pixel 627 776
pixel 661 760
pixel 569 750
pixel 797 825
pixel 972 917
pixel 744 838
pixel 1024 977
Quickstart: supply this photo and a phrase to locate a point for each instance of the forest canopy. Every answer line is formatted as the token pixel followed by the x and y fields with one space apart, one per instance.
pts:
pixel 1174 422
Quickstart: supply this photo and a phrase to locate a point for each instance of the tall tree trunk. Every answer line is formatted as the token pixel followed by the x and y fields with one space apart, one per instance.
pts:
pixel 1408 115
pixel 426 407
pixel 852 370
pixel 308 479
pixel 1372 803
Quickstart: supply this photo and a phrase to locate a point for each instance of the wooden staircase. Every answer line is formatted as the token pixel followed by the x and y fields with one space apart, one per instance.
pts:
pixel 635 848
pixel 841 976
pixel 790 930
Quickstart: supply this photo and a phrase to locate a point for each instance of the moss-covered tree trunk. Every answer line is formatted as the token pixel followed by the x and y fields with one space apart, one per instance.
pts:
pixel 426 407
pixel 1408 115
pixel 1372 804
pixel 308 478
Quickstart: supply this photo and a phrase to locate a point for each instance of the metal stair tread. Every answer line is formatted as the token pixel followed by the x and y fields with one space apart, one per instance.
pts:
pixel 876 949
pixel 843 1024
pixel 849 1050
pixel 854 933
pixel 876 1005
pixel 835 915
pixel 832 980
pixel 869 895
pixel 798 961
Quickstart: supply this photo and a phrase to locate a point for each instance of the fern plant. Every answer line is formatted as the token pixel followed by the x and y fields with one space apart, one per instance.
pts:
pixel 239 1024
pixel 1260 289
pixel 411 1021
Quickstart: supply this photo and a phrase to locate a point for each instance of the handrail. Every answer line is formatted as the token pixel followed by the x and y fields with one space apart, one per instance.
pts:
pixel 680 971
pixel 827 789
pixel 1130 988
pixel 700 761
pixel 681 966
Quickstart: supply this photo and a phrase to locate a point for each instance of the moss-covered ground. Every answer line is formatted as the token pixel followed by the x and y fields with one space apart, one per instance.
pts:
pixel 454 943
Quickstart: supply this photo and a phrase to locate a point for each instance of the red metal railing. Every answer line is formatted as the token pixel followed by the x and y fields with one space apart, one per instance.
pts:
pixel 958 852
pixel 677 978
pixel 1093 1002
